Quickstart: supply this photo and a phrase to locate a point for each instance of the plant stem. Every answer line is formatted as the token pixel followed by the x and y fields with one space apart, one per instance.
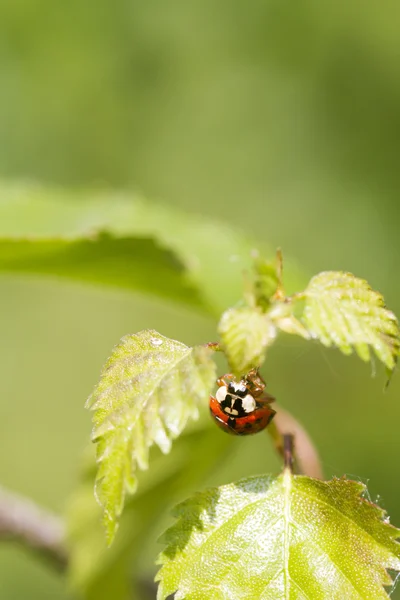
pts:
pixel 284 445
pixel 306 459
pixel 288 451
pixel 35 528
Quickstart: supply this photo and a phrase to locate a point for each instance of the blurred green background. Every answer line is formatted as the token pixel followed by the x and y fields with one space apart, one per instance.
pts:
pixel 281 118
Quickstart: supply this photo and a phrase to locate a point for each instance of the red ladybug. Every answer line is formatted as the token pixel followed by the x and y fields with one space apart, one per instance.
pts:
pixel 242 408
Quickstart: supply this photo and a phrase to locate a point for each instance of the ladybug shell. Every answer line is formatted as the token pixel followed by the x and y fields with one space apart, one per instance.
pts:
pixel 254 422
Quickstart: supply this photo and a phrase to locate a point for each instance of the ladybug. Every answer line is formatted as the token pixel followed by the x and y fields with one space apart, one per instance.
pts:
pixel 242 407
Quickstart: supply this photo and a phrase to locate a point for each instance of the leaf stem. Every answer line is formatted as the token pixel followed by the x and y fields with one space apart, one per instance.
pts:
pixel 284 445
pixel 306 459
pixel 280 292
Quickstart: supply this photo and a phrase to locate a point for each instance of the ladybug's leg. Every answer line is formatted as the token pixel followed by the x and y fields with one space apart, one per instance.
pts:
pixel 225 379
pixel 255 383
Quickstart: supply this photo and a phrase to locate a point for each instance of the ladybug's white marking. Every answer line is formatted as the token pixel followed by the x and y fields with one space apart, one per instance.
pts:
pixel 221 393
pixel 248 403
pixel 231 411
pixel 239 387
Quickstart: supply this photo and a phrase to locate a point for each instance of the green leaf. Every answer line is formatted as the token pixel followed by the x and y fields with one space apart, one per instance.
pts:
pixel 139 264
pixel 275 539
pixel 100 573
pixel 245 335
pixel 149 388
pixel 342 310
pixel 266 282
pixel 121 239
pixel 281 315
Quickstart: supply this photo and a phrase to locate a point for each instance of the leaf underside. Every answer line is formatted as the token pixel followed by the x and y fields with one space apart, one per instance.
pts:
pixel 105 260
pixel 97 236
pixel 342 310
pixel 289 538
pixel 149 388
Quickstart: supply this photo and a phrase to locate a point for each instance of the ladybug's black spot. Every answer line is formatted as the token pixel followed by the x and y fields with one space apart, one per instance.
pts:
pixel 237 390
pixel 248 426
pixel 233 405
pixel 227 402
pixel 241 393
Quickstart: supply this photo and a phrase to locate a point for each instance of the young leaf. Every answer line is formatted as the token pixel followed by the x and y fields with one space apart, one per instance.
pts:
pixel 266 283
pixel 342 310
pixel 245 335
pixel 275 539
pixel 281 315
pixel 149 388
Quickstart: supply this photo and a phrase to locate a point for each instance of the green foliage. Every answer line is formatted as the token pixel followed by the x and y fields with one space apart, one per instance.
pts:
pixel 342 310
pixel 245 335
pixel 293 62
pixel 122 240
pixel 131 263
pixel 267 281
pixel 336 308
pixel 289 537
pixel 149 388
pixel 98 572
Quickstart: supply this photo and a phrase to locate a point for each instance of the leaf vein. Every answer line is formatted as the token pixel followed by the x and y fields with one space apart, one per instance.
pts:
pixel 335 509
pixel 313 542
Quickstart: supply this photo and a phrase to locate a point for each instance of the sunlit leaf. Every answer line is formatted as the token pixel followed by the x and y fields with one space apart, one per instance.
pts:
pixel 281 315
pixel 245 335
pixel 342 310
pixel 149 388
pixel 275 539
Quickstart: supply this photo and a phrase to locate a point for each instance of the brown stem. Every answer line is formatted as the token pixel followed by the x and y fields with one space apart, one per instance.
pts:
pixel 306 459
pixel 40 531
pixel 288 451
pixel 284 445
